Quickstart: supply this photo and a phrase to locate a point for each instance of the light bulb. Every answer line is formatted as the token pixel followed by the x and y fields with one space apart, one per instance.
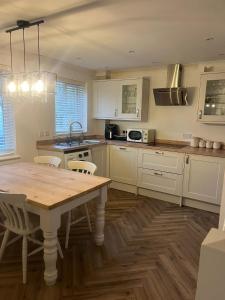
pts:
pixel 25 86
pixel 38 86
pixel 11 87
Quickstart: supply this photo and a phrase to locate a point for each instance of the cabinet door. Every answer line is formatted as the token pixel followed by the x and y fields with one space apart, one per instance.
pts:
pixel 203 178
pixel 99 157
pixel 123 164
pixel 106 94
pixel 160 181
pixel 164 161
pixel 212 98
pixel 129 106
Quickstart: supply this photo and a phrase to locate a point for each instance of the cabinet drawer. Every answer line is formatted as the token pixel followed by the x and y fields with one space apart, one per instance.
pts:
pixel 165 161
pixel 160 181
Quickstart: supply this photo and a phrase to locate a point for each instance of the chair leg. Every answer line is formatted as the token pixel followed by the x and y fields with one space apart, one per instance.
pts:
pixel 68 229
pixel 4 243
pixel 88 217
pixel 24 259
pixel 59 249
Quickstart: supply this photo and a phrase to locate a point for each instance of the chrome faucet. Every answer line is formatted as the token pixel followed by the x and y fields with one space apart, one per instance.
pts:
pixel 81 138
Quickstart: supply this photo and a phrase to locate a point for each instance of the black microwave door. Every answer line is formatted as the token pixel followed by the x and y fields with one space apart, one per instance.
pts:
pixel 135 135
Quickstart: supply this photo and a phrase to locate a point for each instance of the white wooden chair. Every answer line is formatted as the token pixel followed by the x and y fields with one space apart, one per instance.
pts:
pixel 18 220
pixel 52 161
pixel 84 167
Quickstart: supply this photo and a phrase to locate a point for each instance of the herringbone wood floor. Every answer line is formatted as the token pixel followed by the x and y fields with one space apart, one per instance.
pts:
pixel 151 252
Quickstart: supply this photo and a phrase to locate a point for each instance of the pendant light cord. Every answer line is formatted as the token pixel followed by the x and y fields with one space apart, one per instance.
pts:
pixel 24 52
pixel 39 56
pixel 11 58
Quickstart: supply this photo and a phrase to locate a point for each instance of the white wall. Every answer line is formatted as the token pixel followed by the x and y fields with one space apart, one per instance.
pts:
pixel 171 122
pixel 31 118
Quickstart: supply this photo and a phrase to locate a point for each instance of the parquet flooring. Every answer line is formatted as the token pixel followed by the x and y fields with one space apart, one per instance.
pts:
pixel 151 252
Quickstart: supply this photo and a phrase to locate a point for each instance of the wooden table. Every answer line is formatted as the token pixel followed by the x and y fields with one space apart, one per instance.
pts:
pixel 50 193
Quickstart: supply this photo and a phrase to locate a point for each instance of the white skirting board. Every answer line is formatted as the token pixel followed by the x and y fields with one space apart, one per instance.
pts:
pixel 165 197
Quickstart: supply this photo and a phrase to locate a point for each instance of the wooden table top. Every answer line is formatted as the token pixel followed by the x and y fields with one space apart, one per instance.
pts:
pixel 46 186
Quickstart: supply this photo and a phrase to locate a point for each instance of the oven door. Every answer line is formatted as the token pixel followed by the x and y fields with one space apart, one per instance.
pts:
pixel 135 136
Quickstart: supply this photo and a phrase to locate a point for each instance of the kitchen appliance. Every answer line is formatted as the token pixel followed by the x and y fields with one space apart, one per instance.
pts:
pixel 84 155
pixel 141 136
pixel 110 131
pixel 174 94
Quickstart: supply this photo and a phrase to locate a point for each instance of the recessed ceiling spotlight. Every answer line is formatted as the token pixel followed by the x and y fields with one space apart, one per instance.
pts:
pixel 131 51
pixel 210 38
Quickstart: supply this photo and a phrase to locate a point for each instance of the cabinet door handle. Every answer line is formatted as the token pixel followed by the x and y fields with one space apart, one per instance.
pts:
pixel 200 114
pixel 159 152
pixel 115 112
pixel 122 148
pixel 158 174
pixel 187 159
pixel 137 112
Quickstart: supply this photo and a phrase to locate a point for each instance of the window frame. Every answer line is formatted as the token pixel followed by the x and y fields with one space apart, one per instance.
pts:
pixel 77 83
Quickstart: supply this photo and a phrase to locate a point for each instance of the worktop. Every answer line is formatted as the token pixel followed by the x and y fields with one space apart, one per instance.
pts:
pixel 180 147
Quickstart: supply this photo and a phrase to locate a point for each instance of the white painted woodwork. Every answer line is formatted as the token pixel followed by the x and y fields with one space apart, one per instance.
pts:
pixel 202 96
pixel 160 181
pixel 165 161
pixel 108 100
pixel 106 94
pixel 203 178
pixel 54 193
pixel 123 164
pixel 222 208
pixel 99 158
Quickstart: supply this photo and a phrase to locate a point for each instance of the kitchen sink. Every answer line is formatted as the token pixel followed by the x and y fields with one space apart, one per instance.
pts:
pixel 77 144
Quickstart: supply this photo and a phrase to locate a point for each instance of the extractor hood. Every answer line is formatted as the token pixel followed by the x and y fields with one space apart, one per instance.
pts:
pixel 174 94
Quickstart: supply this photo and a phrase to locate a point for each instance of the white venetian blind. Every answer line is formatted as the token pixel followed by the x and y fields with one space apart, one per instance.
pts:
pixel 7 127
pixel 70 105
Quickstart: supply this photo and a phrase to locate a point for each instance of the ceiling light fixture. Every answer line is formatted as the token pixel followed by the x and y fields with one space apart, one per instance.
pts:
pixel 31 84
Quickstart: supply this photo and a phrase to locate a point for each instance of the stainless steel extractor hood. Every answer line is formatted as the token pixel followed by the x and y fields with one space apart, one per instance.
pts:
pixel 174 94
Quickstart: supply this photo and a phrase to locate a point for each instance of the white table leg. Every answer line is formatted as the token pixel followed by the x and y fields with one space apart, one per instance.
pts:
pixel 100 217
pixel 50 222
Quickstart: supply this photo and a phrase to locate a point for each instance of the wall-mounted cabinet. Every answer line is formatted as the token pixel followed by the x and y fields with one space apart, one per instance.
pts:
pixel 119 99
pixel 212 98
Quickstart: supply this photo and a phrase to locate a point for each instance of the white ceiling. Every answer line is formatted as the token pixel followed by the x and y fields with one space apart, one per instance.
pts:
pixel 99 33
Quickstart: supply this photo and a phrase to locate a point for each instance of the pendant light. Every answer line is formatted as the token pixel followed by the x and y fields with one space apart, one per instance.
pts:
pixel 11 86
pixel 24 85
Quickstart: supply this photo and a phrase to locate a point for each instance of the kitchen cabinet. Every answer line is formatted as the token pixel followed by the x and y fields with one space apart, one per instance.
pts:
pixel 123 164
pixel 203 178
pixel 212 98
pixel 99 157
pixel 165 161
pixel 160 181
pixel 121 99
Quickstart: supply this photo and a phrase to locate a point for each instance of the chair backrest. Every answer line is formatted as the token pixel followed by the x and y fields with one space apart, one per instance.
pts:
pixel 13 208
pixel 52 161
pixel 84 167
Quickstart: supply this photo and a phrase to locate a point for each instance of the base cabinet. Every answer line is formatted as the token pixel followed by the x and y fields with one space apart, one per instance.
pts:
pixel 160 181
pixel 203 178
pixel 99 157
pixel 123 164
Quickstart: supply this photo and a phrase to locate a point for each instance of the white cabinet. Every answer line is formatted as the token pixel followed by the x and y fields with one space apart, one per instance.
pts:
pixel 212 98
pixel 99 157
pixel 123 164
pixel 160 181
pixel 203 178
pixel 106 94
pixel 121 99
pixel 171 162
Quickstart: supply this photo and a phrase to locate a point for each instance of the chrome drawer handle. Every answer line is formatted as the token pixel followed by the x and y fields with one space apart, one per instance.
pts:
pixel 122 148
pixel 159 152
pixel 158 174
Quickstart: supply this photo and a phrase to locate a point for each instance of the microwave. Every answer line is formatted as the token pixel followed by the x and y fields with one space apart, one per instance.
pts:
pixel 141 136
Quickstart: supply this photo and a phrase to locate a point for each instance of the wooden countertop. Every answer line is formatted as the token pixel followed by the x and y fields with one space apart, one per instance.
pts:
pixel 46 186
pixel 172 147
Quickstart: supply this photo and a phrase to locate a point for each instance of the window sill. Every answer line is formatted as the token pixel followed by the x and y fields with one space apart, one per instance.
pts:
pixel 9 157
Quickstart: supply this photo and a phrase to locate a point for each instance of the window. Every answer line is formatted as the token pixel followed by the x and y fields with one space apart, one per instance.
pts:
pixel 7 127
pixel 70 105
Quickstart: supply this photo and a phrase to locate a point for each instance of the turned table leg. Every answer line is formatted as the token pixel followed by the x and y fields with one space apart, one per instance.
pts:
pixel 100 217
pixel 50 223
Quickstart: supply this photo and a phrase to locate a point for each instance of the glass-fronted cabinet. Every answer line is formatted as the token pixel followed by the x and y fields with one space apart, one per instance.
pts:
pixel 212 98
